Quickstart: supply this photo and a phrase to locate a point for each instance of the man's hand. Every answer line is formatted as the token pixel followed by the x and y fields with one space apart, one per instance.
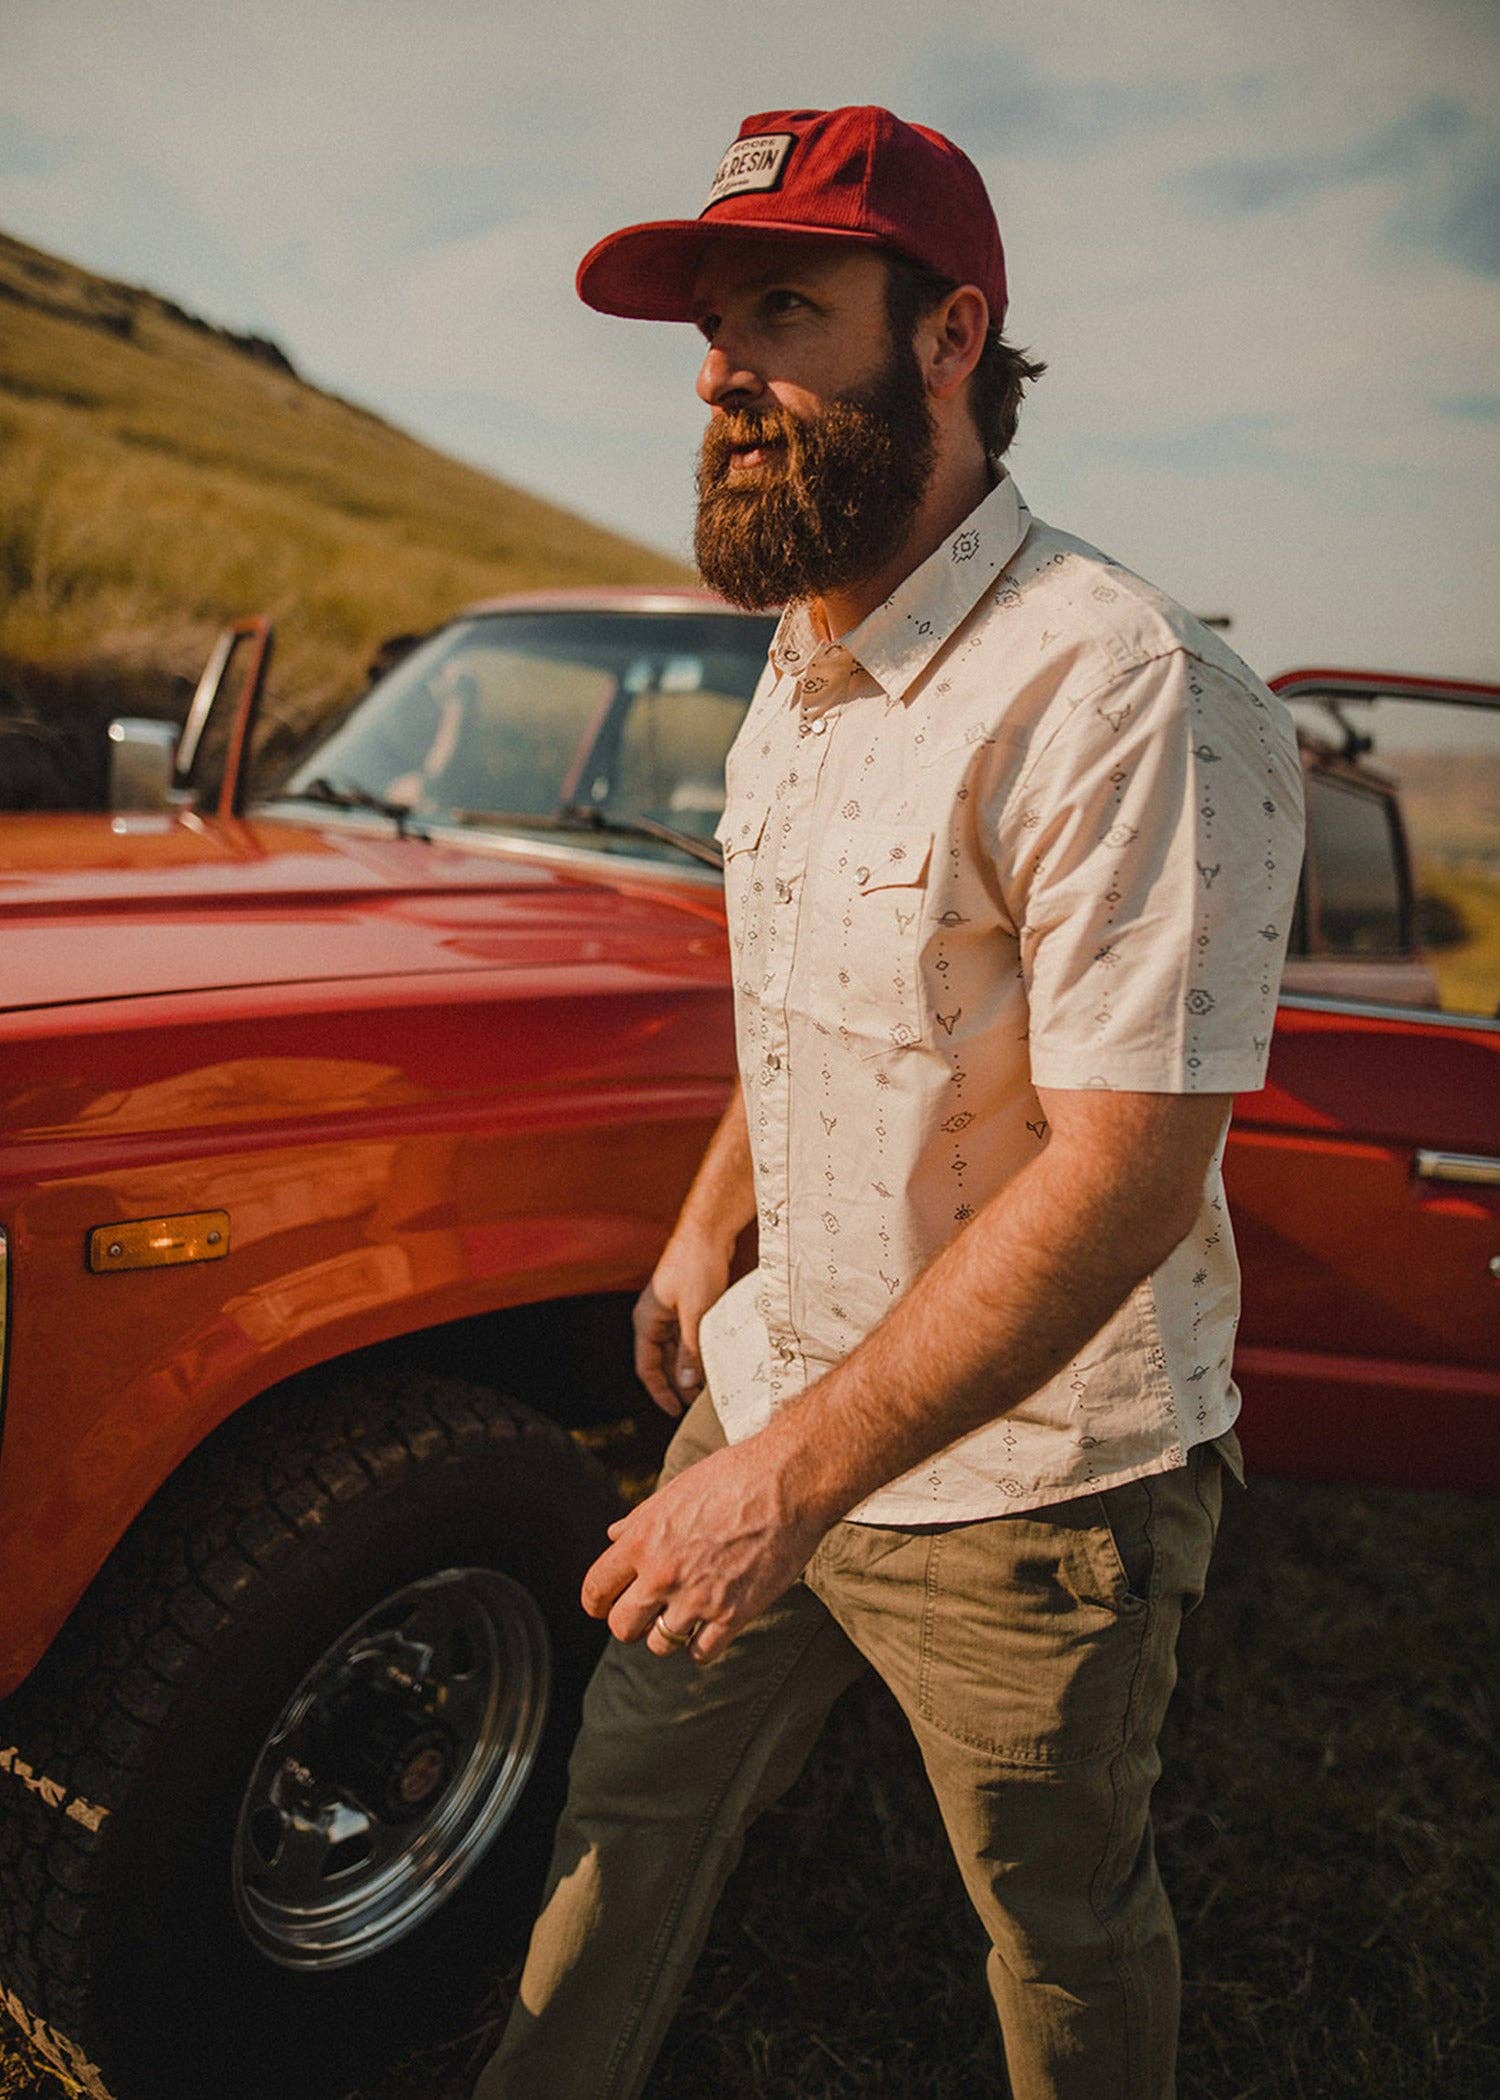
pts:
pixel 716 1546
pixel 692 1273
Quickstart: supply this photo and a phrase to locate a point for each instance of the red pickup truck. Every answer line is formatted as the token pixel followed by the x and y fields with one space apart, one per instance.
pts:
pixel 346 1104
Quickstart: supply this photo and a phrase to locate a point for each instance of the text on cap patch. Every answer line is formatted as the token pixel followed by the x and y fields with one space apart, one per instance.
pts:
pixel 751 164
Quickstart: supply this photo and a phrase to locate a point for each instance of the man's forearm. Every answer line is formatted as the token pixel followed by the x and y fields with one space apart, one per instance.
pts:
pixel 721 1201
pixel 1002 1309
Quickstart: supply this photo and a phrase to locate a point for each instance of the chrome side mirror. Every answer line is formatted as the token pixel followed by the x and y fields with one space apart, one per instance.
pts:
pixel 141 757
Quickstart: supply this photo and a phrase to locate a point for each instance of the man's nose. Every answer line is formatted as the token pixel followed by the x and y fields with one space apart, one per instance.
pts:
pixel 726 379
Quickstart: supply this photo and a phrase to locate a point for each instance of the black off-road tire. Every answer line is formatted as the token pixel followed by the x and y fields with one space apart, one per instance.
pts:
pixel 129 1752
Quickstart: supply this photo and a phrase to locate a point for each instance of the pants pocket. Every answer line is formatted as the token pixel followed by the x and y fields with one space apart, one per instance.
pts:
pixel 1032 1635
pixel 1124 1544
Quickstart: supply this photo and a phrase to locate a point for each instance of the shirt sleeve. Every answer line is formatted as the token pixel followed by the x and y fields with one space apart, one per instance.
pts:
pixel 1149 855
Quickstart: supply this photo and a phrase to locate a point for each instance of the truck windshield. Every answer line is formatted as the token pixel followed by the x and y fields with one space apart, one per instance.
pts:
pixel 625 714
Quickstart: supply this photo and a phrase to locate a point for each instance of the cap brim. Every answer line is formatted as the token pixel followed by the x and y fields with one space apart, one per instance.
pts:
pixel 647 273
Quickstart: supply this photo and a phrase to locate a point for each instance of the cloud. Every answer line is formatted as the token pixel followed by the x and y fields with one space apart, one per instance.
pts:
pixel 25 151
pixel 1022 103
pixel 1462 224
pixel 1253 241
pixel 1470 408
pixel 1236 187
pixel 1208 447
pixel 1443 159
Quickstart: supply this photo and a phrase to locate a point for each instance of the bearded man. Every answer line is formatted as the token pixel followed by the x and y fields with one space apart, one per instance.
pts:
pixel 1011 846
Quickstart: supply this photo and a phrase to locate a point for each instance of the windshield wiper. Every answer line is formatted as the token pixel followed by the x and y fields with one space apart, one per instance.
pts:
pixel 352 797
pixel 586 818
pixel 578 816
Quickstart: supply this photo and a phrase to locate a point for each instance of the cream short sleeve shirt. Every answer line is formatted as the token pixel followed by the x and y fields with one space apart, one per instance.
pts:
pixel 1029 824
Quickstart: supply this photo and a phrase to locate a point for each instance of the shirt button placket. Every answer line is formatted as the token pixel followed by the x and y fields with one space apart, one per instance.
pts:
pixel 791 824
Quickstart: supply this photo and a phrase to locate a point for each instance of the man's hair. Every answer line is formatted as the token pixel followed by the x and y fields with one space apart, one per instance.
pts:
pixel 1003 372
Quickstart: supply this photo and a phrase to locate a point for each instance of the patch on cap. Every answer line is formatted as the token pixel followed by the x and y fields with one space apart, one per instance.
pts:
pixel 751 164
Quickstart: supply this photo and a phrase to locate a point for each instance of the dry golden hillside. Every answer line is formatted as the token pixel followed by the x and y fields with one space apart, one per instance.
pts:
pixel 158 475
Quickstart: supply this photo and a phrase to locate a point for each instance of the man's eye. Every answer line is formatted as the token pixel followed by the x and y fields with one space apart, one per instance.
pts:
pixel 783 302
pixel 707 326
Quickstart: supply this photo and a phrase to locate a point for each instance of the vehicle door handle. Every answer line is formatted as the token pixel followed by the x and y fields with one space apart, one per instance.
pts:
pixel 1457 1166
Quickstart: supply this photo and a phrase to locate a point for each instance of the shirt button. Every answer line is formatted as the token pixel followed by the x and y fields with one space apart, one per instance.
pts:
pixel 773 1062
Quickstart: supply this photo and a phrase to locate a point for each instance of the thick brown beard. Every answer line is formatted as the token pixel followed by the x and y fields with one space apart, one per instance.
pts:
pixel 836 505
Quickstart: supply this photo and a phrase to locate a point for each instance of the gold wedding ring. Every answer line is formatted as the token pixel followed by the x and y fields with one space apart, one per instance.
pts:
pixel 676 1640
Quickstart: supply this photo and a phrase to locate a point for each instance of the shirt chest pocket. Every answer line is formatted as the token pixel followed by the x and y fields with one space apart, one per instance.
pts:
pixel 860 939
pixel 739 833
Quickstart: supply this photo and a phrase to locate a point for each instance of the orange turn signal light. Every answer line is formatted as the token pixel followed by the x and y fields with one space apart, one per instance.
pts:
pixel 159 1243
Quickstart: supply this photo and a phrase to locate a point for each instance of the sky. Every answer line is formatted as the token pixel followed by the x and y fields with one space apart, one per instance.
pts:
pixel 1257 242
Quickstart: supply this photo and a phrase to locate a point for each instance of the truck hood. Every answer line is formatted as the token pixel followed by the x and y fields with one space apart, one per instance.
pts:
pixel 96 908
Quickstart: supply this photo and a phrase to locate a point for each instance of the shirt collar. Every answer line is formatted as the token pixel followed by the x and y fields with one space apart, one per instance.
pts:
pixel 896 642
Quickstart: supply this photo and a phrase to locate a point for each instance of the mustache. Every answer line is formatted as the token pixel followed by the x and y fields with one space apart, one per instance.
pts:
pixel 752 427
pixel 737 428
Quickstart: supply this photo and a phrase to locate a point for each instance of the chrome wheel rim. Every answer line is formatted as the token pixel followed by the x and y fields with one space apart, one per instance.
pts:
pixel 391 1769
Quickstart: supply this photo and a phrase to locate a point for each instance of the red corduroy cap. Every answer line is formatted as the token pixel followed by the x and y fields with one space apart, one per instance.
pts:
pixel 856 174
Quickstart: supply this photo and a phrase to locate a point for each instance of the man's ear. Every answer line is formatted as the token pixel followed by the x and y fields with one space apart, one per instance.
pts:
pixel 951 339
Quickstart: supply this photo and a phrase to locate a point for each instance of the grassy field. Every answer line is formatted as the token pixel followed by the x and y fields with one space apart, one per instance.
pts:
pixel 1328 1824
pixel 159 476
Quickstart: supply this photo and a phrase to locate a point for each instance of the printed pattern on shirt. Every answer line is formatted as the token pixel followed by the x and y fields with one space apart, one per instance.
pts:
pixel 1029 824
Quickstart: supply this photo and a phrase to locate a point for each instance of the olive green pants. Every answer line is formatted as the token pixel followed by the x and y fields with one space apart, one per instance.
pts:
pixel 1033 1654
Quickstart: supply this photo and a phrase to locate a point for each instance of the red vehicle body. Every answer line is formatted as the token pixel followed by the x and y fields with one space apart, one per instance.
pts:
pixel 1363 1181
pixel 446 1088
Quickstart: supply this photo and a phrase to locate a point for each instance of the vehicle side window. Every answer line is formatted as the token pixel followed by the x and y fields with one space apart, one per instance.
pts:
pixel 1407 865
pixel 1352 842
